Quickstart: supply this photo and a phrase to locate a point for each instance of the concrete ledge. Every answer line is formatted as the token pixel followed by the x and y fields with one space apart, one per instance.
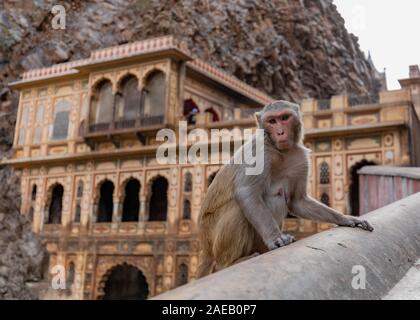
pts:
pixel 320 267
pixel 407 172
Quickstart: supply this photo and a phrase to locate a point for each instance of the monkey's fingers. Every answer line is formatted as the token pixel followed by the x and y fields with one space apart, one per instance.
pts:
pixel 364 225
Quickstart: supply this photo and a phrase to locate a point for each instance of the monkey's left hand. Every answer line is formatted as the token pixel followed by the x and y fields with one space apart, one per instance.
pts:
pixel 355 222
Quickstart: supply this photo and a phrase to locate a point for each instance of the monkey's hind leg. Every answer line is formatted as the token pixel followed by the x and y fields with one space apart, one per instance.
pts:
pixel 233 237
pixel 255 254
pixel 207 265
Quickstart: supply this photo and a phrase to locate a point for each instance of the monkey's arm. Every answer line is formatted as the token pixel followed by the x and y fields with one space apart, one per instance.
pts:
pixel 304 206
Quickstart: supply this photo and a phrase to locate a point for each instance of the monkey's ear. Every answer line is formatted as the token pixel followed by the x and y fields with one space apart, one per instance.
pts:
pixel 258 119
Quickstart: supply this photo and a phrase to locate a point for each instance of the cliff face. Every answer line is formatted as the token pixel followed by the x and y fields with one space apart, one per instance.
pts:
pixel 22 256
pixel 289 48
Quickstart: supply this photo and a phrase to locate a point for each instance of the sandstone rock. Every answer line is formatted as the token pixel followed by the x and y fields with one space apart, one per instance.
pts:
pixel 21 258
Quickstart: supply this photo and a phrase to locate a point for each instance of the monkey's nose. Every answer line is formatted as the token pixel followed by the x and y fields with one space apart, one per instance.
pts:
pixel 281 132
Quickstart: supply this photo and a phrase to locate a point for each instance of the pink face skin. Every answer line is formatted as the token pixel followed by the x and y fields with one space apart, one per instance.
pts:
pixel 279 125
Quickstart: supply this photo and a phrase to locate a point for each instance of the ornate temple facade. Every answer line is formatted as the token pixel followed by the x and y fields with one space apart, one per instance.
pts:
pixel 121 224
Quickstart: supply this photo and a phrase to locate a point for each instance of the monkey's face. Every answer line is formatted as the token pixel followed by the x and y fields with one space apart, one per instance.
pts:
pixel 280 126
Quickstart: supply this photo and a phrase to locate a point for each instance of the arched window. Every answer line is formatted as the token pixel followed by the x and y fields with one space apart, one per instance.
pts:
pixel 158 206
pixel 106 202
pixel 56 205
pixel 77 213
pixel 33 200
pixel 324 173
pixel 214 116
pixel 79 192
pixel 182 277
pixel 33 193
pixel 39 120
pixel 325 199
pixel 354 188
pixel 190 111
pixel 188 182
pixel 186 213
pixel 155 94
pixel 131 203
pixel 78 201
pixel 131 97
pixel 61 120
pixel 23 124
pixel 71 275
pixel 103 103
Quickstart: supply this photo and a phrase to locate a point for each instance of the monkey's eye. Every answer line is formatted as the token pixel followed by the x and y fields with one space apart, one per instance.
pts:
pixel 272 121
pixel 285 117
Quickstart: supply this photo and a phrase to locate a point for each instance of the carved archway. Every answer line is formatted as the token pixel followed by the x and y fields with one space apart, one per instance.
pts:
pixel 158 198
pixel 50 199
pixel 106 265
pixel 104 200
pixel 131 200
pixel 354 185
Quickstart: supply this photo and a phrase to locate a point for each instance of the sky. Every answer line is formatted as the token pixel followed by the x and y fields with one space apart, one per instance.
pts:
pixel 389 30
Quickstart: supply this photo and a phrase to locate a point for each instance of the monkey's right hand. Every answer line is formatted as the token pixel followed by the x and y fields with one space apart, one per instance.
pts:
pixel 282 240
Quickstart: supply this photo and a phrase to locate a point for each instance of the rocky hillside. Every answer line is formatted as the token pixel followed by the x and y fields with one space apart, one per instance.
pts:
pixel 289 48
pixel 21 257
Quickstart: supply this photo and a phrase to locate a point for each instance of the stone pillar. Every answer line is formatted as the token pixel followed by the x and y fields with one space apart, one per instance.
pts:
pixel 116 217
pixel 169 266
pixel 171 217
pixel 65 213
pixel 94 212
pixel 142 212
pixel 338 103
pixel 143 215
pixel 308 105
pixel 237 114
pixel 89 216
pixel 71 147
pixel 39 207
pixel 201 119
pixel 120 207
pixel 86 213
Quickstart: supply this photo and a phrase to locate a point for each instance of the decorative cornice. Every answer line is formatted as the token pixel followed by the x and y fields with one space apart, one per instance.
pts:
pixel 108 54
pixel 229 81
pixel 139 48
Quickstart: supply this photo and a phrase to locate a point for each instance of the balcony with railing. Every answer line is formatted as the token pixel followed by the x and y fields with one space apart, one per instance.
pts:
pixel 249 113
pixel 114 127
pixel 363 100
pixel 138 126
pixel 324 104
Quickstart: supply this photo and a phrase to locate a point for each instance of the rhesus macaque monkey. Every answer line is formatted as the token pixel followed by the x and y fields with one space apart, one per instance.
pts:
pixel 242 214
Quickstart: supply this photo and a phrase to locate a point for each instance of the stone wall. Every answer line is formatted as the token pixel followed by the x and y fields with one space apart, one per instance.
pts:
pixel 381 185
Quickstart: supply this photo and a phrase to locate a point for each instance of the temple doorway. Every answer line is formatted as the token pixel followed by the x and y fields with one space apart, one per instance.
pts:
pixel 126 282
pixel 354 186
